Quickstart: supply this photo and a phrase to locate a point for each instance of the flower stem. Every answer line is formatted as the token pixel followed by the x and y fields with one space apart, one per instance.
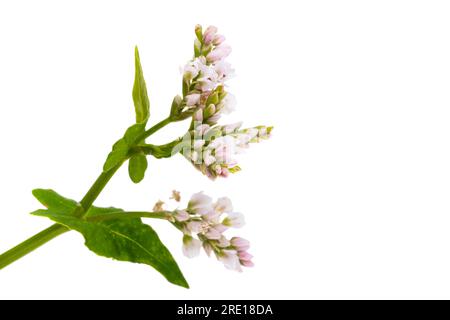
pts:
pixel 153 129
pixel 55 230
pixel 165 215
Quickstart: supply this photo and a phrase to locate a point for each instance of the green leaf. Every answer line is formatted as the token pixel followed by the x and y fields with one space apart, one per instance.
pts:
pixel 133 133
pixel 99 211
pixel 124 240
pixel 137 167
pixel 117 155
pixel 52 200
pixel 120 149
pixel 140 97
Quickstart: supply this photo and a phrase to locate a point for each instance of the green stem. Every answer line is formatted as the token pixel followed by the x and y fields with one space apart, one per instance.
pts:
pixel 55 230
pixel 165 215
pixel 153 129
pixel 32 243
pixel 98 187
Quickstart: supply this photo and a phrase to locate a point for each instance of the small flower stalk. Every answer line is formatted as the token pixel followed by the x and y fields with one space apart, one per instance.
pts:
pixel 211 147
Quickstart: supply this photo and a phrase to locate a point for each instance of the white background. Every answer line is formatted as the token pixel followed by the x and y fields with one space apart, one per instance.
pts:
pixel 350 199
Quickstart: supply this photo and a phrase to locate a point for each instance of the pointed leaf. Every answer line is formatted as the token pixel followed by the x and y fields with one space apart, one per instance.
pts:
pixel 120 149
pixel 124 240
pixel 140 97
pixel 52 200
pixel 133 133
pixel 118 154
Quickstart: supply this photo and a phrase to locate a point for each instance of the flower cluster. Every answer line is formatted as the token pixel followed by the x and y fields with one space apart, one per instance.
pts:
pixel 213 148
pixel 203 223
pixel 205 75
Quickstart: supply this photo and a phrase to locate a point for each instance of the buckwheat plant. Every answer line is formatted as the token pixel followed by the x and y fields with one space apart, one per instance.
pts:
pixel 210 147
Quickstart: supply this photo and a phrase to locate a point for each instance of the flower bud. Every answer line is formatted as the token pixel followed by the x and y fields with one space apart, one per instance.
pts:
pixel 218 39
pixel 176 107
pixel 197 48
pixel 209 35
pixel 218 53
pixel 213 98
pixel 198 32
pixel 209 111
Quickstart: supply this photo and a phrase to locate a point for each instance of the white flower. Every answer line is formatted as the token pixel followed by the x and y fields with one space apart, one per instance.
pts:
pixel 205 84
pixel 230 259
pixel 228 104
pixel 200 203
pixel 223 69
pixel 191 246
pixel 198 144
pixel 223 205
pixel 234 219
pixel 209 159
pixel 190 71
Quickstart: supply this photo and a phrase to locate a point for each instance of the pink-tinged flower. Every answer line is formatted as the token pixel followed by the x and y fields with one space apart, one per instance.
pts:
pixel 194 226
pixel 245 259
pixel 200 203
pixel 191 246
pixel 198 116
pixel 181 215
pixel 240 244
pixel 213 234
pixel 230 259
pixel 192 99
pixel 209 35
pixel 234 219
pixel 218 39
pixel 218 53
pixel 247 264
pixel 223 205
pixel 244 255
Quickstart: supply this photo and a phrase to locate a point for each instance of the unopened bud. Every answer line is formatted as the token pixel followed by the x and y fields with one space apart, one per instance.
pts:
pixel 213 98
pixel 199 33
pixel 209 111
